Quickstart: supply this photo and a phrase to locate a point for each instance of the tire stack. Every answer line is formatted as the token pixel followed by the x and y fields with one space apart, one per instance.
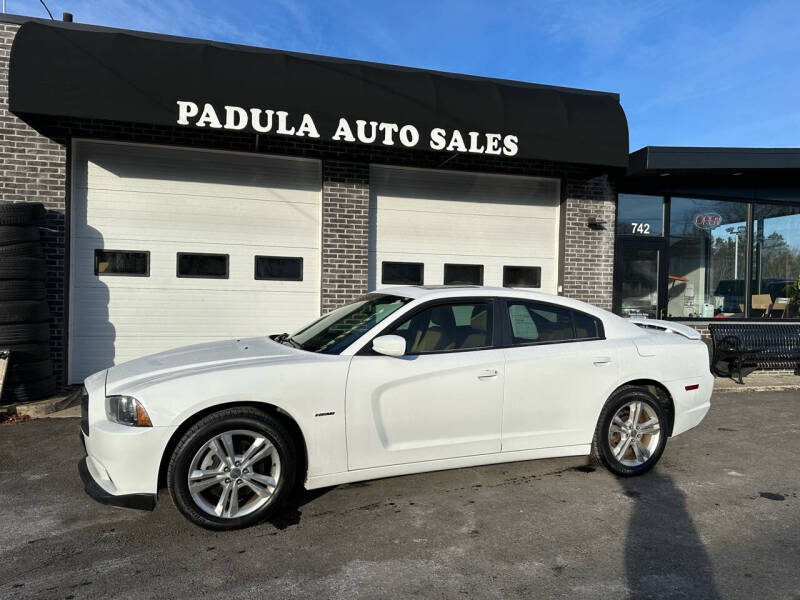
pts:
pixel 24 314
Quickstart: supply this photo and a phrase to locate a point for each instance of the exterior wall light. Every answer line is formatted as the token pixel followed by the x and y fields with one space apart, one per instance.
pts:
pixel 596 224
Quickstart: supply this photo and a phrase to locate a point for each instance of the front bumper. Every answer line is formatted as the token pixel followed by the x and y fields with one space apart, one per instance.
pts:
pixel 137 501
pixel 122 463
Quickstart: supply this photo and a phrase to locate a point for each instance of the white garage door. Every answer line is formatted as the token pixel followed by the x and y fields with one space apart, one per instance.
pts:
pixel 451 227
pixel 135 208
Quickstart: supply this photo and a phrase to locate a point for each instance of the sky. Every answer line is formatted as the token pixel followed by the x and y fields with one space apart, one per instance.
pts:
pixel 689 73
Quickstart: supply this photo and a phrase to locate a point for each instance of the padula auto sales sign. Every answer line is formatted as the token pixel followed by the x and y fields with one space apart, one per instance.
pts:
pixel 281 122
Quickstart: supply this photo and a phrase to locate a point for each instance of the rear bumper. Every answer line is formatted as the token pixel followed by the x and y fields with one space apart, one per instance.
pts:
pixel 137 501
pixel 691 406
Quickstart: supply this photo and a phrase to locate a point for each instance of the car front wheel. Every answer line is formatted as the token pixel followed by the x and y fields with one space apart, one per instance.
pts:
pixel 232 469
pixel 630 435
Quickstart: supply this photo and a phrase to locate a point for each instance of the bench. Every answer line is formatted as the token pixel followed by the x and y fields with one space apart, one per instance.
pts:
pixel 742 348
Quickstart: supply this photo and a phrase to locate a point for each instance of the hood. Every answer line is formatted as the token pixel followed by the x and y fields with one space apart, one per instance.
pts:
pixel 188 358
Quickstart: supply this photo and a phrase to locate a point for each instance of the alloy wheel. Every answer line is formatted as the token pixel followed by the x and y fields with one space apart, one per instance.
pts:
pixel 634 433
pixel 234 474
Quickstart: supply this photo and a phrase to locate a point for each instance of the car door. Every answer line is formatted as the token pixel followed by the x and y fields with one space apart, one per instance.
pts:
pixel 442 399
pixel 558 372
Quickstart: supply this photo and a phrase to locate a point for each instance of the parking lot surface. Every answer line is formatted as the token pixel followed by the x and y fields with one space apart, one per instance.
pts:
pixel 719 517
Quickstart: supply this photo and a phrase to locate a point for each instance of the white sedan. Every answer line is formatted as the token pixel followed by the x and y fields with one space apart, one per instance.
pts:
pixel 404 380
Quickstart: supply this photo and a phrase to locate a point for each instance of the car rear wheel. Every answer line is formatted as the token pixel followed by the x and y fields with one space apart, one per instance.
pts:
pixel 630 435
pixel 232 469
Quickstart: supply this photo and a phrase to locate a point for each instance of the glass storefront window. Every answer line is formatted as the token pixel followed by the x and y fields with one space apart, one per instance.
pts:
pixel 776 259
pixel 707 259
pixel 640 215
pixel 638 282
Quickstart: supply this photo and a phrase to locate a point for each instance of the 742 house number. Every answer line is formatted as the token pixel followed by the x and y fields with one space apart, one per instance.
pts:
pixel 640 228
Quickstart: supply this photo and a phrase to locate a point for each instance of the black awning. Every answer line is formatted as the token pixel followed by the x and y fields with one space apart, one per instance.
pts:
pixel 756 174
pixel 658 159
pixel 98 73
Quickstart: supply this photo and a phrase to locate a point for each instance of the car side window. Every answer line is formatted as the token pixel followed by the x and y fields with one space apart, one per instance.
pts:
pixel 554 323
pixel 448 328
pixel 523 327
pixel 586 327
pixel 534 322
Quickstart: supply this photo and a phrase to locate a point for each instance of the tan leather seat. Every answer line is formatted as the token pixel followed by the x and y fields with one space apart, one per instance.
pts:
pixel 440 331
pixel 478 328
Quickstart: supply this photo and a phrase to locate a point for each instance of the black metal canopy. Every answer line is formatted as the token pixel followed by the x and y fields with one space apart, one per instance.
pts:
pixel 652 159
pixel 70 70
pixel 760 174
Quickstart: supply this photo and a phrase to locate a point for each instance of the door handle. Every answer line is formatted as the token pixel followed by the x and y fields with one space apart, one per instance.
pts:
pixel 487 374
pixel 599 361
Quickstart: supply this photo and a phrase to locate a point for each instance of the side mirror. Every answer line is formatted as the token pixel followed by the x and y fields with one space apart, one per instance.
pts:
pixel 390 345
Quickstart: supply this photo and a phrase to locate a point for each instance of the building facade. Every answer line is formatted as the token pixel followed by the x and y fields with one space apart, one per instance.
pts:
pixel 172 221
pixel 199 191
pixel 709 233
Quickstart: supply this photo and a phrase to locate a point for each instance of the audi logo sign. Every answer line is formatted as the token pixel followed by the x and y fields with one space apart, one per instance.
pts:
pixel 708 220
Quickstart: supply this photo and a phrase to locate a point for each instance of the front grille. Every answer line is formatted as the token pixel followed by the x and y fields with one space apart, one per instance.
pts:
pixel 84 411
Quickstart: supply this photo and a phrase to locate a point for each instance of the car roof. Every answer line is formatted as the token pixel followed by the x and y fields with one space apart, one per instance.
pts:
pixel 435 292
pixel 453 291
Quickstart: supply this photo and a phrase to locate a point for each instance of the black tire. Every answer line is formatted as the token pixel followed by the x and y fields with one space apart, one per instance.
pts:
pixel 601 445
pixel 22 213
pixel 25 311
pixel 27 353
pixel 28 392
pixel 17 234
pixel 23 268
pixel 204 430
pixel 33 249
pixel 26 372
pixel 24 333
pixel 12 290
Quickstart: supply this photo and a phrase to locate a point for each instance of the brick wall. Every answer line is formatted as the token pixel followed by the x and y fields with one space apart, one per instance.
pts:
pixel 33 169
pixel 589 249
pixel 345 232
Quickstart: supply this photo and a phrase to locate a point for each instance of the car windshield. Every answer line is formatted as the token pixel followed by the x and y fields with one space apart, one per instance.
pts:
pixel 332 333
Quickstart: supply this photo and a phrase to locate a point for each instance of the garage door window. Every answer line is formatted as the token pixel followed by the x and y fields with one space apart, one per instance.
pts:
pixel 133 263
pixel 529 277
pixel 402 273
pixel 448 328
pixel 207 266
pixel 279 268
pixel 463 274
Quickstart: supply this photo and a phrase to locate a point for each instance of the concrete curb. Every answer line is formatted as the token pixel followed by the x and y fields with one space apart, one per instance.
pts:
pixel 762 381
pixel 41 408
pixel 756 388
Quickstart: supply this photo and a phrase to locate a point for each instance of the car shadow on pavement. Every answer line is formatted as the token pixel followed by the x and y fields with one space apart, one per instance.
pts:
pixel 665 556
pixel 290 514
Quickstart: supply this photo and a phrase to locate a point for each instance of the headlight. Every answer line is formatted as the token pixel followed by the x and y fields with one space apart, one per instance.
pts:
pixel 127 411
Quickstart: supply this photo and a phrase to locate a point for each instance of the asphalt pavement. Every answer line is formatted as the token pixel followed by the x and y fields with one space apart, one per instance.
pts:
pixel 719 517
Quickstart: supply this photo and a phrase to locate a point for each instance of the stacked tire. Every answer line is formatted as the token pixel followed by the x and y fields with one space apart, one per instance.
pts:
pixel 24 314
